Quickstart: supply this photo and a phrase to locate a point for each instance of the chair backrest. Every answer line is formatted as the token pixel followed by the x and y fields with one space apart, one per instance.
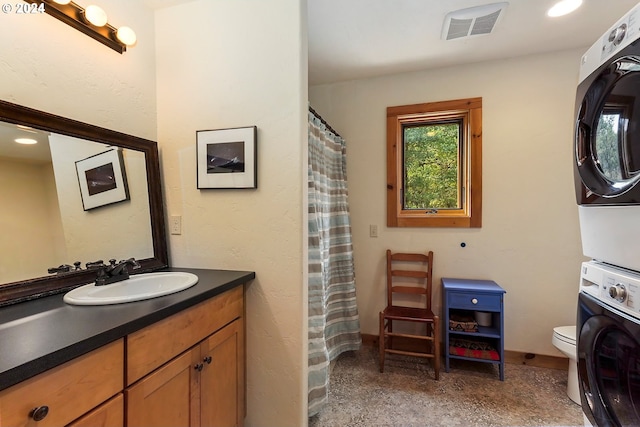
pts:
pixel 409 274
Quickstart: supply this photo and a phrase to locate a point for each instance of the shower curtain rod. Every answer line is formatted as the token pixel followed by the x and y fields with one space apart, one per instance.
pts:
pixel 319 117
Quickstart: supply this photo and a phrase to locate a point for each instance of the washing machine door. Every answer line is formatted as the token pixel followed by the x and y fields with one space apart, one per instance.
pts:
pixel 607 134
pixel 608 365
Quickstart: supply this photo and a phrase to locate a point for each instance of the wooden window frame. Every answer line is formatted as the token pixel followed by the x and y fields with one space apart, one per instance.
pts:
pixel 470 216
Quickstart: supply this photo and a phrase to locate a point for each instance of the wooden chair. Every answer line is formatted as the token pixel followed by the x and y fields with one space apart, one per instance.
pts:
pixel 411 282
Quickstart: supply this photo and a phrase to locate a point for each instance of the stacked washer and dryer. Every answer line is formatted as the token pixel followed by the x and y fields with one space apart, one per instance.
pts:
pixel 607 173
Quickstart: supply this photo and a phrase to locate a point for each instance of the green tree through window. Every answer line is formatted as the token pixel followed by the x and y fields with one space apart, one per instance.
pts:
pixel 431 176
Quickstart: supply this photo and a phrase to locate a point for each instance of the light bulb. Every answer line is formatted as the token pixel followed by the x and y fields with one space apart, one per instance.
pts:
pixel 126 35
pixel 95 15
pixel 62 1
pixel 27 141
pixel 564 7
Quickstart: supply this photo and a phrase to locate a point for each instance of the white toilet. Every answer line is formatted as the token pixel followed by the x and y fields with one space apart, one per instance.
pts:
pixel 564 339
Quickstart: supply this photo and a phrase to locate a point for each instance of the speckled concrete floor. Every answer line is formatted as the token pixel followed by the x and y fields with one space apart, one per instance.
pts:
pixel 471 394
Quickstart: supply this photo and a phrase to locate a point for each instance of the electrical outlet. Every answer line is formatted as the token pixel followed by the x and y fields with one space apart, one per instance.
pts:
pixel 373 230
pixel 176 224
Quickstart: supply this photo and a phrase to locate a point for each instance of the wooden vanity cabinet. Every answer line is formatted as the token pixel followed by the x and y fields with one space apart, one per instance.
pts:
pixel 185 370
pixel 66 392
pixel 199 378
pixel 201 387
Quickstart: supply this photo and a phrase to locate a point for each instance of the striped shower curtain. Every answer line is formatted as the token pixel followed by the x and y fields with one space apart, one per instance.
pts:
pixel 334 326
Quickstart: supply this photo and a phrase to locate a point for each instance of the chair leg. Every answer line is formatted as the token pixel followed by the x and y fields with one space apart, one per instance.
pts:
pixel 436 345
pixel 381 343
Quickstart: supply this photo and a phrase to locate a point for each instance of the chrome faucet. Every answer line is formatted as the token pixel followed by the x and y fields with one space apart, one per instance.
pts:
pixel 115 272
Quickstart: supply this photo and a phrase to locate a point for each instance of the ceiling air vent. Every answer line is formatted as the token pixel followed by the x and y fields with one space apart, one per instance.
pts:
pixel 473 21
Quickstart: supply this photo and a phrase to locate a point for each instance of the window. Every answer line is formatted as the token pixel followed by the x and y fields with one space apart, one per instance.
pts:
pixel 434 164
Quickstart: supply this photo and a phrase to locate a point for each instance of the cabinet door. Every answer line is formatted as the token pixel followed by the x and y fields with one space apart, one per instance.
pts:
pixel 109 414
pixel 165 397
pixel 222 381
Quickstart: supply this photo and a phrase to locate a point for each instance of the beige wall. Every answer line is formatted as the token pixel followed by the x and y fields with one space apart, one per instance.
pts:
pixel 28 214
pixel 48 65
pixel 529 242
pixel 230 64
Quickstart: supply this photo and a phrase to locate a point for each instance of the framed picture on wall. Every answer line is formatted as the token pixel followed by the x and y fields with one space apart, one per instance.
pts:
pixel 227 158
pixel 102 179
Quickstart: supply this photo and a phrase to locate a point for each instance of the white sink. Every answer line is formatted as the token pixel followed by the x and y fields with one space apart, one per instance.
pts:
pixel 137 288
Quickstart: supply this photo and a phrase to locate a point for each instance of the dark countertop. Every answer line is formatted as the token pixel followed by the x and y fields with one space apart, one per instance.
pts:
pixel 41 334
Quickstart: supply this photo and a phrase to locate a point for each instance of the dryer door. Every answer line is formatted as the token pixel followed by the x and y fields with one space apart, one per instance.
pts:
pixel 607 140
pixel 608 365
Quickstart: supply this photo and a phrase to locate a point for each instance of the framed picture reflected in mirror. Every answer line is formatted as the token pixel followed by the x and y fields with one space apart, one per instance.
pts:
pixel 102 179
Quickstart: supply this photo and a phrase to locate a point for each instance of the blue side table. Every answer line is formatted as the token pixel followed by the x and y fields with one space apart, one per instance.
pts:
pixel 466 296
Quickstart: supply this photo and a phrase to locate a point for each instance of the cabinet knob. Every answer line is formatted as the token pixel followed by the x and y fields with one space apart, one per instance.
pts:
pixel 198 367
pixel 474 300
pixel 207 360
pixel 39 413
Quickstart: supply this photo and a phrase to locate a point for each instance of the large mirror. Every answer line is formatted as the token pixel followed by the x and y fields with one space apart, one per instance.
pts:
pixel 76 193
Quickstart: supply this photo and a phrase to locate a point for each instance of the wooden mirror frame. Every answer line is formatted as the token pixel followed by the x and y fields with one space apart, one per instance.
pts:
pixel 42 286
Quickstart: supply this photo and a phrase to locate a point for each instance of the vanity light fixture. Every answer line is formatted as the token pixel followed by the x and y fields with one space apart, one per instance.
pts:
pixel 563 7
pixel 91 21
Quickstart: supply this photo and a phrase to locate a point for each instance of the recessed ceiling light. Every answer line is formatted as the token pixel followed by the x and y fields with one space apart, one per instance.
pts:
pixel 563 7
pixel 26 141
